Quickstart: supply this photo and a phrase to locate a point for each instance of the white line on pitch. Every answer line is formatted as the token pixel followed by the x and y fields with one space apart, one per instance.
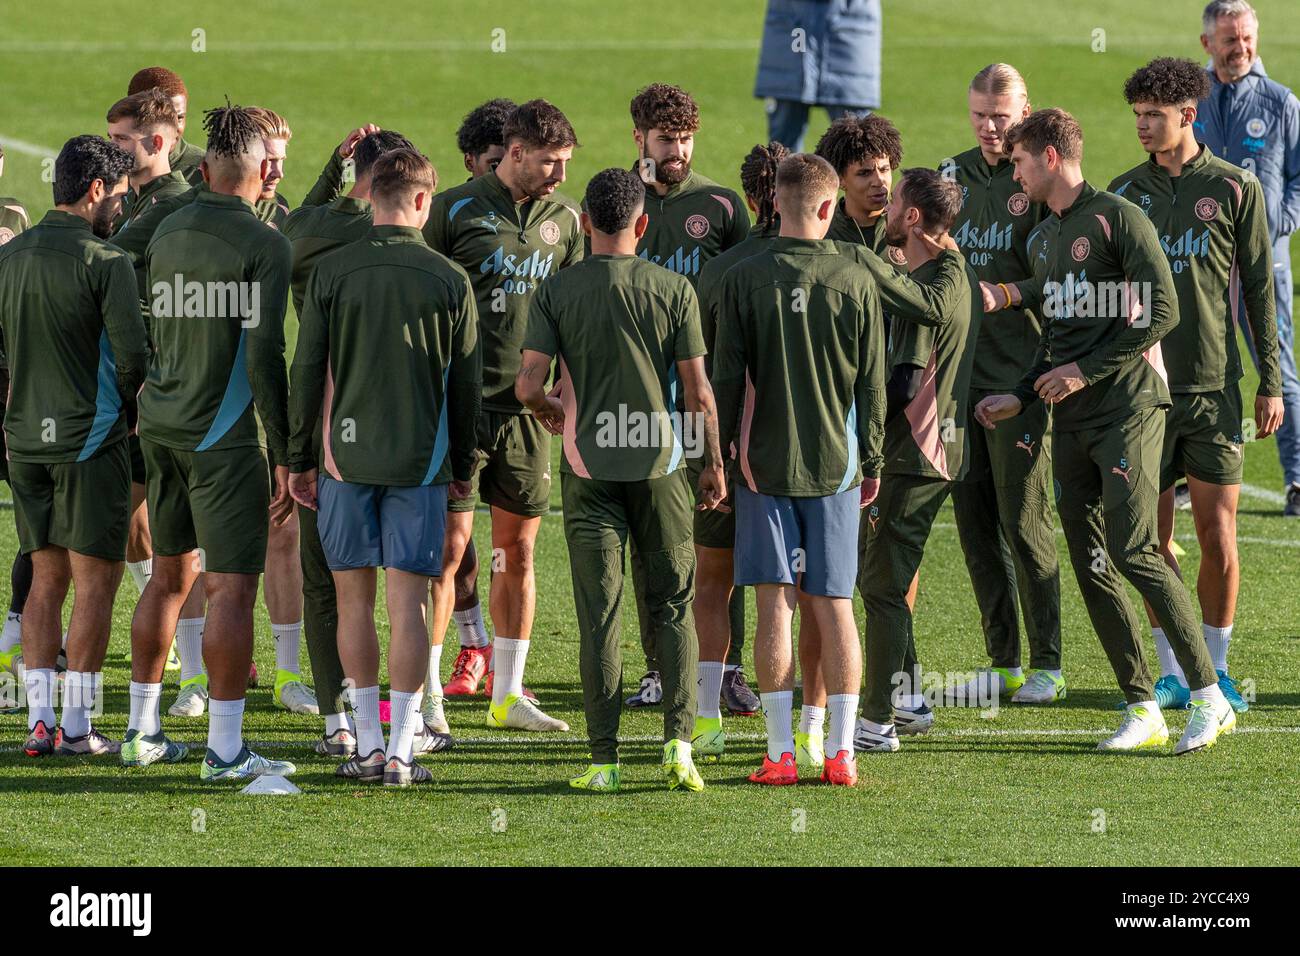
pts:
pixel 1263 494
pixel 22 146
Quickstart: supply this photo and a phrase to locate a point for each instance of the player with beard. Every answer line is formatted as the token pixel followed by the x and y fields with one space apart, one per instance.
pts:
pixel 1003 506
pixel 481 143
pixel 77 354
pixel 510 230
pixel 13 220
pixel 692 220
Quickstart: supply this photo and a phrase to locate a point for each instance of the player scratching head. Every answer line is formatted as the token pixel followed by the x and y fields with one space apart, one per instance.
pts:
pixel 806 187
pixel 275 140
pixel 1164 94
pixel 539 142
pixel 161 78
pixel 925 202
pixel 364 155
pixel 614 212
pixel 402 182
pixel 1046 147
pixel 998 99
pixel 145 125
pixel 864 151
pixel 235 162
pixel 481 137
pixel 90 181
pixel 665 120
pixel 758 180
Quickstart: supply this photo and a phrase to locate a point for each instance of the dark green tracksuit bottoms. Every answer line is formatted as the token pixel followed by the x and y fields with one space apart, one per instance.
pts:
pixel 1003 508
pixel 1109 487
pixel 320 616
pixel 891 541
pixel 601 518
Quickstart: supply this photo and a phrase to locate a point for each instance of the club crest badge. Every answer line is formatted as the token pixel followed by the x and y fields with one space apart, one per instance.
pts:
pixel 1255 127
pixel 896 256
pixel 550 232
pixel 697 226
pixel 1207 209
pixel 1080 249
pixel 5 234
pixel 1018 204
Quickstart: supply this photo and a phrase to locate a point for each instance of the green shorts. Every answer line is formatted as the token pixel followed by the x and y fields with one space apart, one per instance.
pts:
pixel 512 466
pixel 1203 438
pixel 713 528
pixel 215 501
pixel 138 474
pixel 84 506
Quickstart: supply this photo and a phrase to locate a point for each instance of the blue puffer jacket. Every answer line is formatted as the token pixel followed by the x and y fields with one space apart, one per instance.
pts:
pixel 840 60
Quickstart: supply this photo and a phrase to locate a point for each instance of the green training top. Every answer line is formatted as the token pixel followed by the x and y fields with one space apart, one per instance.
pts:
pixel 1084 261
pixel 13 220
pixel 799 369
pixel 994 223
pixel 1213 229
pixel 388 356
pixel 617 326
pixel 75 340
pixel 218 287
pixel 691 223
pixel 509 249
pixel 157 200
pixel 315 231
pixel 706 286
pixel 273 211
pixel 844 228
pixel 936 323
pixel 185 158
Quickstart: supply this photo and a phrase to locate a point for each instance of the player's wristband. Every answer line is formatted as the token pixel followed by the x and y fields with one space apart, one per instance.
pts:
pixel 1007 293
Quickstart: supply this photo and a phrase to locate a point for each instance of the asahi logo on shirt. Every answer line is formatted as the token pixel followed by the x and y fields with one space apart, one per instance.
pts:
pixel 1018 204
pixel 179 299
pixel 679 261
pixel 994 236
pixel 1188 244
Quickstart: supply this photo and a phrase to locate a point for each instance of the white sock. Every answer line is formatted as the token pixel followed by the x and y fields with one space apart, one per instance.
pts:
pixel 876 728
pixel 1168 663
pixel 433 679
pixel 40 684
pixel 144 708
pixel 843 711
pixel 141 572
pixel 470 628
pixel 370 736
pixel 1055 673
pixel 12 635
pixel 508 656
pixel 80 689
pixel 336 722
pixel 778 711
pixel 728 668
pixel 1016 671
pixel 288 640
pixel 1217 640
pixel 1213 695
pixel 812 720
pixel 225 727
pixel 708 689
pixel 405 719
pixel 1153 709
pixel 189 645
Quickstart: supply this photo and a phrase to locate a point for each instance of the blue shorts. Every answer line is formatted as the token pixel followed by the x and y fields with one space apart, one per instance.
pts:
pixel 812 542
pixel 379 526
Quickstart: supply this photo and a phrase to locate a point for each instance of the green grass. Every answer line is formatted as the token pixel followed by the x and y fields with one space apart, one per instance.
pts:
pixel 1024 787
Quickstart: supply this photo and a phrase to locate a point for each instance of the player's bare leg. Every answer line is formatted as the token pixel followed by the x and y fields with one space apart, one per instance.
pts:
pixel 456 591
pixel 809 739
pixel 192 698
pixel 713 587
pixel 512 602
pixel 95 582
pixel 42 637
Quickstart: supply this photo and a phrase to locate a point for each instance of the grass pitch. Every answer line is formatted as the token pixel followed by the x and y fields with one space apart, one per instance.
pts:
pixel 1023 787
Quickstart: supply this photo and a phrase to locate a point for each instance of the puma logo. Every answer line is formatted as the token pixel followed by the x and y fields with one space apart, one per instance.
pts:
pixel 1122 472
pixel 872 520
pixel 1029 449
